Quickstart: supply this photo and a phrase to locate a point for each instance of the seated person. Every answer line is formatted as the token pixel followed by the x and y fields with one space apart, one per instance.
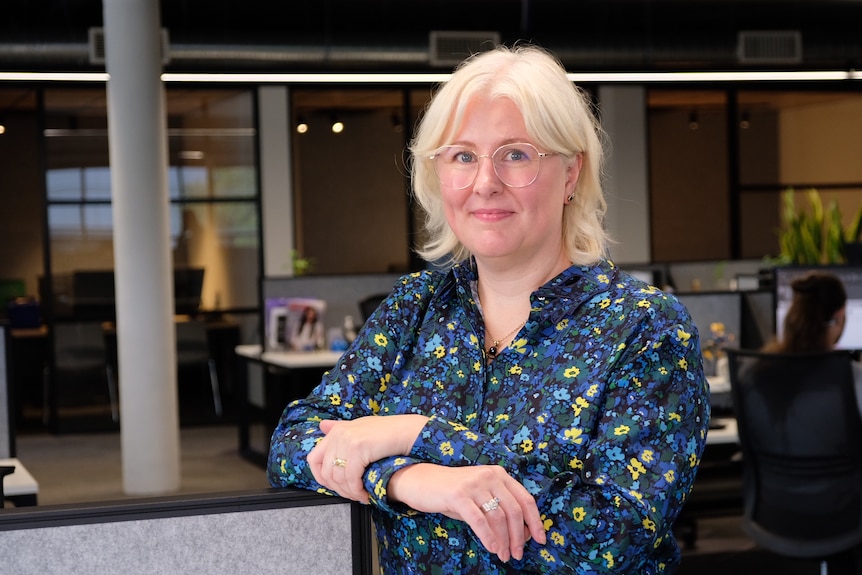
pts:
pixel 815 320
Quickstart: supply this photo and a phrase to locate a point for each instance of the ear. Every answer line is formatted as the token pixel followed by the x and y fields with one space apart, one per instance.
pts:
pixel 573 172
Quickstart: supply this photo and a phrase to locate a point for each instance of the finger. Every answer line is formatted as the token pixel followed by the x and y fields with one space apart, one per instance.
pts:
pixel 514 518
pixel 531 516
pixel 497 520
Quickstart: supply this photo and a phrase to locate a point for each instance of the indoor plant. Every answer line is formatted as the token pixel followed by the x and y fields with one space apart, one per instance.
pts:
pixel 815 235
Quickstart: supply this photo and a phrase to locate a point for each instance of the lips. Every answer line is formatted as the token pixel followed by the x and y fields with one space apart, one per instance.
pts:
pixel 491 215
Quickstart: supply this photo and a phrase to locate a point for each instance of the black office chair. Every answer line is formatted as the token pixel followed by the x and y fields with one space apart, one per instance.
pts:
pixel 193 350
pixel 370 303
pixel 801 436
pixel 80 353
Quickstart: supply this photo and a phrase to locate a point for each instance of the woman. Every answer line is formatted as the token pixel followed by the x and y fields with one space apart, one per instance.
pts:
pixel 815 320
pixel 532 408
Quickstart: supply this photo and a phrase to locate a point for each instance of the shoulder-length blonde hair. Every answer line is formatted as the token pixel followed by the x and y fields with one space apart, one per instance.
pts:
pixel 558 118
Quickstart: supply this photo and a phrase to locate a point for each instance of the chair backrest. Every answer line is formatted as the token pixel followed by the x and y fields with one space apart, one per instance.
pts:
pixel 801 436
pixel 192 343
pixel 79 345
pixel 368 304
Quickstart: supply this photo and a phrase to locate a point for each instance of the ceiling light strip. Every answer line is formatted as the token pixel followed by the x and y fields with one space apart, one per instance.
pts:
pixel 580 77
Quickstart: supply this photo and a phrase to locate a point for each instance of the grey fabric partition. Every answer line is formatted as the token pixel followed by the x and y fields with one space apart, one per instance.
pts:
pixel 274 531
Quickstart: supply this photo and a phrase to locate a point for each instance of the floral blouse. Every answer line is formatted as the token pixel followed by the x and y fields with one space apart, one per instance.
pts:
pixel 599 407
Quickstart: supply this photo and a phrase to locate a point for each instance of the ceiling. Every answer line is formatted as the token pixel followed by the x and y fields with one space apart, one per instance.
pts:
pixel 329 35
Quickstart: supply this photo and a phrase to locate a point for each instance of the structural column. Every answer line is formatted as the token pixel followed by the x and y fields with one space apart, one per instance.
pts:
pixel 149 419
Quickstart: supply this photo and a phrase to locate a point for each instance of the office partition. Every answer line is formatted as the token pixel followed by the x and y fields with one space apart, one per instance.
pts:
pixel 274 531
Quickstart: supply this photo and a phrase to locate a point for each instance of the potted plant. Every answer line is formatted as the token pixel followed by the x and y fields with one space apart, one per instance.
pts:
pixel 816 235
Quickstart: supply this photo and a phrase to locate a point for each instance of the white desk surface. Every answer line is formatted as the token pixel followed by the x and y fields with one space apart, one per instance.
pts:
pixel 727 434
pixel 20 482
pixel 290 359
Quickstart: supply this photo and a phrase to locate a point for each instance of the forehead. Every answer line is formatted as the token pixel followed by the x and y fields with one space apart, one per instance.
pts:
pixel 488 121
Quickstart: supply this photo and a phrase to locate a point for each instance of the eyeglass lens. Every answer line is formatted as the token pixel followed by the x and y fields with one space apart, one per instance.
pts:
pixel 517 165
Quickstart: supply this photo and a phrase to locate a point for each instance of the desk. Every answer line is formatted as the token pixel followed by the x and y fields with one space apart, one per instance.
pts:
pixel 19 487
pixel 288 375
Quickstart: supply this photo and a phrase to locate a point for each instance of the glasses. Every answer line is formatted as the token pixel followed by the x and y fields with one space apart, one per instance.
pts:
pixel 517 165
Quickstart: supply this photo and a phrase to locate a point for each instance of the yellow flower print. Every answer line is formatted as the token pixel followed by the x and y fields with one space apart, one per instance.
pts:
pixel 351 378
pixel 461 374
pixel 440 532
pixel 547 523
pixel 334 399
pixel 384 382
pixel 446 448
pixel 670 476
pixel 682 363
pixel 621 346
pixel 438 384
pixel 471 553
pixel 572 372
pixel 675 417
pixel 407 552
pixel 692 460
pixel 541 418
pixel 471 416
pixel 472 436
pixel 420 540
pixel 593 390
pixel 683 336
pixel 372 476
pixel 543 445
pixel 578 514
pixel 399 461
pixel 580 404
pixel 283 463
pixel 605 303
pixel 373 406
pixel 453 350
pixel 450 326
pixel 477 366
pixel 440 351
pixel 558 539
pixel 603 278
pixel 620 300
pixel 575 435
pixel 663 370
pixel 576 463
pixel 643 303
pixel 518 345
pixel 637 382
pixel 474 341
pixel 527 445
pixel 458 426
pixel 636 495
pixel 622 430
pixel 562 325
pixel 502 417
pixel 635 468
pixel 609 558
pixel 647 455
pixel 515 370
pixel 546 555
pixel 379 490
pixel 381 340
pixel 494 380
pixel 597 330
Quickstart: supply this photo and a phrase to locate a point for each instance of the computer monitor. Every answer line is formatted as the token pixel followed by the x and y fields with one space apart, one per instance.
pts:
pixel 851 276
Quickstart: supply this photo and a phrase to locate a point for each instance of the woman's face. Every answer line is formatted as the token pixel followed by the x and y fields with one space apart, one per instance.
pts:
pixel 492 219
pixel 836 325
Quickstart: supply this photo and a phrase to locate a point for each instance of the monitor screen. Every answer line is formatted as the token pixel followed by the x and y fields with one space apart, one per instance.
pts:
pixel 852 278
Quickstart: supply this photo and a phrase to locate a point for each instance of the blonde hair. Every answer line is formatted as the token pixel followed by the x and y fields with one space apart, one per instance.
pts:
pixel 558 118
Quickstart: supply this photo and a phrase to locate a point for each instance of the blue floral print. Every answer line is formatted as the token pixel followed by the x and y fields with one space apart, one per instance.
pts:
pixel 599 407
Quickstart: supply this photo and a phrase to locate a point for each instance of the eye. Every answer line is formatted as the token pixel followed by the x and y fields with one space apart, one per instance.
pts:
pixel 462 156
pixel 515 154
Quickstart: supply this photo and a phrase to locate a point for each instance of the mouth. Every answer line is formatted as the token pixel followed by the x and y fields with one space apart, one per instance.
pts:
pixel 491 215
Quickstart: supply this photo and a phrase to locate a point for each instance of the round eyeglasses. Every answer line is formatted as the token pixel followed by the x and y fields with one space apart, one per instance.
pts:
pixel 517 165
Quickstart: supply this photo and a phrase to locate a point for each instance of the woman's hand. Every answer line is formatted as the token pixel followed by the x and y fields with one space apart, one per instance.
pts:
pixel 338 461
pixel 500 510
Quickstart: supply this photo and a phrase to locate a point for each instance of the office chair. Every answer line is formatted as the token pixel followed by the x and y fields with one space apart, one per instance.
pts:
pixel 80 352
pixel 193 350
pixel 370 303
pixel 801 436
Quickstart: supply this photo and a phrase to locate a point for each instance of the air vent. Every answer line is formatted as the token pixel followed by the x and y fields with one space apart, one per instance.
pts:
pixel 449 48
pixel 97 46
pixel 769 47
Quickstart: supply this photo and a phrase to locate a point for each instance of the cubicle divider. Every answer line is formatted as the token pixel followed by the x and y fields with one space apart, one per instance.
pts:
pixel 7 426
pixel 274 531
pixel 341 292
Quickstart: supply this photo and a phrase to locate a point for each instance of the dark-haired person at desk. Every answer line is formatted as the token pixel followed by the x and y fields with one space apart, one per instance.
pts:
pixel 308 333
pixel 815 320
pixel 533 408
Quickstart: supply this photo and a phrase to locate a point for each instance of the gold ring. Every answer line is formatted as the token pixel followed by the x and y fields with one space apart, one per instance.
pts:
pixel 338 462
pixel 491 505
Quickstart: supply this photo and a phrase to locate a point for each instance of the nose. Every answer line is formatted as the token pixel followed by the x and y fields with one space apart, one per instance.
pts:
pixel 487 180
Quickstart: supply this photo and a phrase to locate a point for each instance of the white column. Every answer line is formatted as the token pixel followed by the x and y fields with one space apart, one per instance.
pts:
pixel 623 110
pixel 137 132
pixel 276 180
